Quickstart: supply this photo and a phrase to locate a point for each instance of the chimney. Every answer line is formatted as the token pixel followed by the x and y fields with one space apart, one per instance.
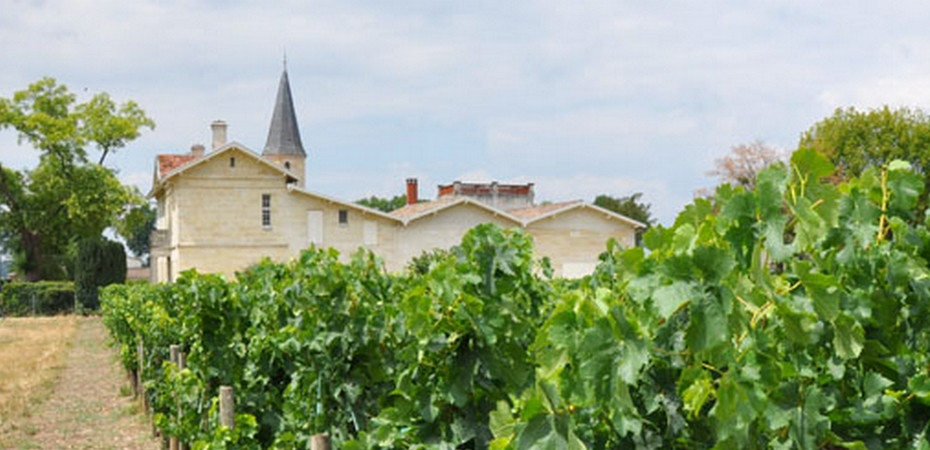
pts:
pixel 219 133
pixel 197 150
pixel 412 191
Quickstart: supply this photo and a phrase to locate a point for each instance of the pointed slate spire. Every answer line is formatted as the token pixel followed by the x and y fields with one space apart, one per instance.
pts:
pixel 283 134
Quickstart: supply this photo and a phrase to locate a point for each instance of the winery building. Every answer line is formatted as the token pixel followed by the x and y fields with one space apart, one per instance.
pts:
pixel 227 208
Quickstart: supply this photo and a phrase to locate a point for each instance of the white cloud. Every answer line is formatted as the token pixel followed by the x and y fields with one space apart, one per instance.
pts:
pixel 893 91
pixel 584 96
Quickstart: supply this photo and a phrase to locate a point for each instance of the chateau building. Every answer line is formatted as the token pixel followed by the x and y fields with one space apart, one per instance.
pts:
pixel 223 210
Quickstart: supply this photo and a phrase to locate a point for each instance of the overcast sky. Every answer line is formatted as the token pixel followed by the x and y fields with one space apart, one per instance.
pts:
pixel 580 97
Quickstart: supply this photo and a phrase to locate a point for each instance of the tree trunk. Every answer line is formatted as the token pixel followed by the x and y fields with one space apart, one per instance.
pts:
pixel 33 249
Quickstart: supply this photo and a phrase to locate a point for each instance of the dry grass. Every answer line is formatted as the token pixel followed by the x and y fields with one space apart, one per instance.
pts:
pixel 32 353
pixel 84 409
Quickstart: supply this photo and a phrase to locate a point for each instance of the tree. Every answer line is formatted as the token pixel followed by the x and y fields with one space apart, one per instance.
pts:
pixel 46 210
pixel 135 227
pixel 384 204
pixel 855 140
pixel 740 167
pixel 630 206
pixel 99 262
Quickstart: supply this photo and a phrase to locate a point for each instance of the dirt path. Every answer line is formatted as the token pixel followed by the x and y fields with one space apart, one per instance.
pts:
pixel 87 410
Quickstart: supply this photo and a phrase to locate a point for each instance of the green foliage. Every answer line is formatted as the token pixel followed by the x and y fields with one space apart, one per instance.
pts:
pixel 322 346
pixel 422 263
pixel 46 210
pixel 136 226
pixel 38 298
pixel 630 206
pixel 384 204
pixel 792 315
pixel 99 262
pixel 855 141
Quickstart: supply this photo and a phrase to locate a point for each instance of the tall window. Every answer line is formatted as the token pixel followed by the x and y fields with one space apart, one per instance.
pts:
pixel 266 210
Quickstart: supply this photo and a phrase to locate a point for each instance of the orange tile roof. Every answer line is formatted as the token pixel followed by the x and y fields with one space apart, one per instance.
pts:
pixel 167 163
pixel 536 211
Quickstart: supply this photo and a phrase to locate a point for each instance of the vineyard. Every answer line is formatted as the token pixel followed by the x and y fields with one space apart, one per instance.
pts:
pixel 796 315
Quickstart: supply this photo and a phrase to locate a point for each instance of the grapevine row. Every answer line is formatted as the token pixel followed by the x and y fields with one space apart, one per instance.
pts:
pixel 796 315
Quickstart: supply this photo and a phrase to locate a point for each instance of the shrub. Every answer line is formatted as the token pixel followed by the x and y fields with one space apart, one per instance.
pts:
pixel 37 298
pixel 100 262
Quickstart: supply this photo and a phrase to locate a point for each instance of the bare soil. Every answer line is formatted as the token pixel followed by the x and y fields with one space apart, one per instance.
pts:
pixel 91 406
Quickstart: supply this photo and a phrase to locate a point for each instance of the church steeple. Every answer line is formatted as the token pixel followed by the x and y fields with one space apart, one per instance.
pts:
pixel 283 146
pixel 283 134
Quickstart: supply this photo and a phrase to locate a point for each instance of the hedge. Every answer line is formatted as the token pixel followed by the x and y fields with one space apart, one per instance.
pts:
pixel 37 298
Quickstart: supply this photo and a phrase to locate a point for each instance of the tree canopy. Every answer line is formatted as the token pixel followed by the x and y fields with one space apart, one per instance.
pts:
pixel 46 210
pixel 384 204
pixel 855 140
pixel 745 161
pixel 135 226
pixel 630 206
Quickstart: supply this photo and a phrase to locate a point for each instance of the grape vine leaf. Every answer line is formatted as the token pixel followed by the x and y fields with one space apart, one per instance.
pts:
pixel 848 337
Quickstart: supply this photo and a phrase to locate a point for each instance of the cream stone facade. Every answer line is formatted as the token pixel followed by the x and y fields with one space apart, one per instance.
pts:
pixel 224 210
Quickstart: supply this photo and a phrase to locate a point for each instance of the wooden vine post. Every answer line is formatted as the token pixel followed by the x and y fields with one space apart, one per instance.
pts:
pixel 182 364
pixel 140 351
pixel 227 407
pixel 319 442
pixel 175 355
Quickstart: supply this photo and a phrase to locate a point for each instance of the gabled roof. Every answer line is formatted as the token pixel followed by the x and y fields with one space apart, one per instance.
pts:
pixel 537 213
pixel 522 216
pixel 283 134
pixel 166 163
pixel 416 211
pixel 531 212
pixel 335 201
pixel 177 164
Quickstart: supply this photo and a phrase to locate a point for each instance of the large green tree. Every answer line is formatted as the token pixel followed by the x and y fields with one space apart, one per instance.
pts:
pixel 630 206
pixel 135 226
pixel 45 210
pixel 855 140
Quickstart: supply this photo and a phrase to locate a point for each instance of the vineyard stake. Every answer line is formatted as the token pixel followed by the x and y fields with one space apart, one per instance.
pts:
pixel 175 351
pixel 182 364
pixel 319 442
pixel 227 407
pixel 140 351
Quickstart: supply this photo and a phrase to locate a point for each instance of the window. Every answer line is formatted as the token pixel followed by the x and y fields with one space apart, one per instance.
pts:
pixel 266 210
pixel 232 162
pixel 287 165
pixel 343 217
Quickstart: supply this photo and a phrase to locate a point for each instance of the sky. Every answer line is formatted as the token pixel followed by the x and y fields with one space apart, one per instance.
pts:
pixel 581 98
